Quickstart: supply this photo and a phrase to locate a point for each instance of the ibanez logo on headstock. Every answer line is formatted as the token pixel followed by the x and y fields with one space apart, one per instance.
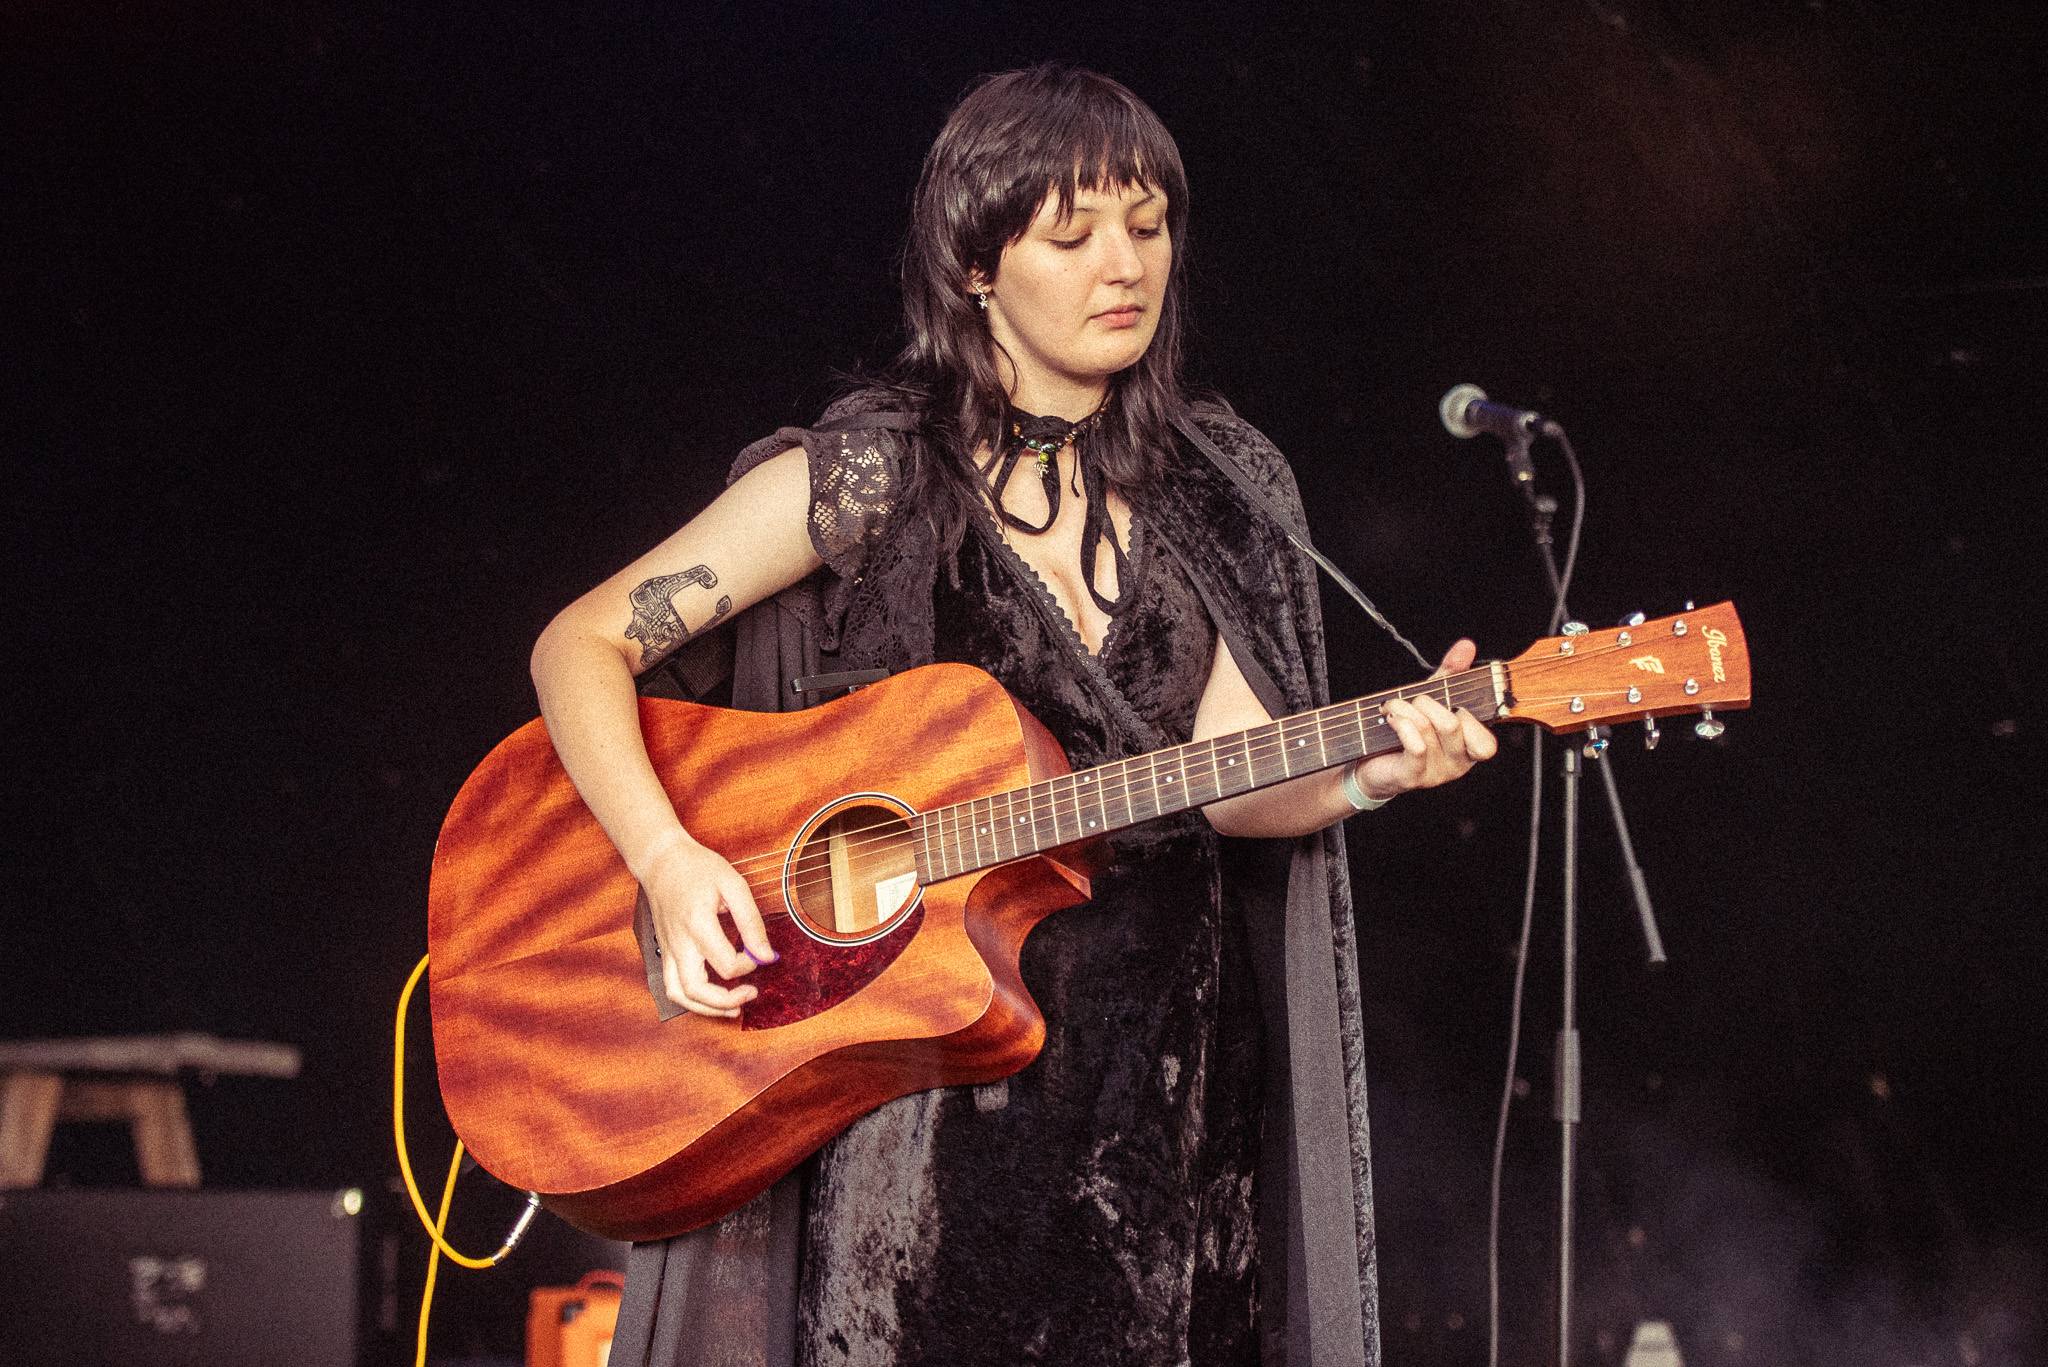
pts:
pixel 1717 641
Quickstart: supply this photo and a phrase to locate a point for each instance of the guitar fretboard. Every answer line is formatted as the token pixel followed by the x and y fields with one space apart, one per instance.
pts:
pixel 1082 806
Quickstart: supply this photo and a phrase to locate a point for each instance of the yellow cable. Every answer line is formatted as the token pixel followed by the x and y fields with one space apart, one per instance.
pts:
pixel 398 1134
pixel 434 1253
pixel 438 1226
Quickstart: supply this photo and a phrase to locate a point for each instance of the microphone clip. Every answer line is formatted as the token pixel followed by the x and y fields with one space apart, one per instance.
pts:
pixel 1467 412
pixel 1520 465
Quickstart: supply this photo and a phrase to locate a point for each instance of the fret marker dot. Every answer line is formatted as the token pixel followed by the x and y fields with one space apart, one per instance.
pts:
pixel 1091 823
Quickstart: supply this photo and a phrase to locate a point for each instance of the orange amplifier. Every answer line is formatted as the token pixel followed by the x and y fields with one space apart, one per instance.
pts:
pixel 571 1326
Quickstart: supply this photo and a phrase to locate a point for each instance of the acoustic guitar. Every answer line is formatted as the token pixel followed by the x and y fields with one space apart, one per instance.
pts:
pixel 901 842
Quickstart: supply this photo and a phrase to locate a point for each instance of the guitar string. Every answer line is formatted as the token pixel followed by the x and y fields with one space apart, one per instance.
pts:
pixel 1057 805
pixel 1064 805
pixel 1463 690
pixel 1128 779
pixel 1546 664
pixel 1068 803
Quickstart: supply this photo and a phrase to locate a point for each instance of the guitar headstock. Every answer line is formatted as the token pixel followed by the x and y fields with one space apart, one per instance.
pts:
pixel 1687 662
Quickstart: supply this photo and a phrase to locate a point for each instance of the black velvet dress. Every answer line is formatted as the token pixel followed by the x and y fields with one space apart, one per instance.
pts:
pixel 1099 1206
pixel 1183 1175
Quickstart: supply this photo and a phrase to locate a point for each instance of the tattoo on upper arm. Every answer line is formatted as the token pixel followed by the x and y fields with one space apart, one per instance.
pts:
pixel 656 625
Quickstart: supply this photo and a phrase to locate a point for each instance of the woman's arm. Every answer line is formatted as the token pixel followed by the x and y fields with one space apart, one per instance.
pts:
pixel 1437 745
pixel 753 541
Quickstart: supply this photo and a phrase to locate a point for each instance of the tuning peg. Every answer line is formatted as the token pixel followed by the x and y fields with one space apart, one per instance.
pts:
pixel 1634 619
pixel 1596 743
pixel 1651 735
pixel 1709 727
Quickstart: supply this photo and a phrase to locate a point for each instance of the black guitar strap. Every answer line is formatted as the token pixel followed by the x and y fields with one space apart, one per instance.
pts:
pixel 1184 421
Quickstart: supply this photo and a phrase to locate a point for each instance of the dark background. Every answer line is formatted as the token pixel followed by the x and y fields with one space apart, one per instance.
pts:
pixel 343 344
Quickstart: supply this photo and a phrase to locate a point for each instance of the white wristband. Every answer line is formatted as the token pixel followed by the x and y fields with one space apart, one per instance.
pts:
pixel 1355 795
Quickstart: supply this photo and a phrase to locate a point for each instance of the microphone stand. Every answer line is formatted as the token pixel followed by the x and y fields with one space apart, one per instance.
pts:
pixel 1565 1106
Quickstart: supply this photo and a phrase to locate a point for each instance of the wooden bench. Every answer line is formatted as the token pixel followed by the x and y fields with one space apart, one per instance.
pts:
pixel 133 1079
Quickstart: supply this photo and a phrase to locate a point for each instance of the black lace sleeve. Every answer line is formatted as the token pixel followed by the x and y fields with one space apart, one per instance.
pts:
pixel 856 456
pixel 856 479
pixel 858 460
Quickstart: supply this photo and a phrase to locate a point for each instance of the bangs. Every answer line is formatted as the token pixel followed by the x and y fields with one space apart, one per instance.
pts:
pixel 1051 131
pixel 1104 147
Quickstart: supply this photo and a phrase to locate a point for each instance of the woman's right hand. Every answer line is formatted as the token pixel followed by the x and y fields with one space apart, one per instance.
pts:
pixel 687 887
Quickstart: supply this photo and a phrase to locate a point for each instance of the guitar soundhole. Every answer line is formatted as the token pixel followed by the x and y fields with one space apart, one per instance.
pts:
pixel 853 872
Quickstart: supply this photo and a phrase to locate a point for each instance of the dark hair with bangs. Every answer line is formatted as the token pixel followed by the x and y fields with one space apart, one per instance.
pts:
pixel 1014 139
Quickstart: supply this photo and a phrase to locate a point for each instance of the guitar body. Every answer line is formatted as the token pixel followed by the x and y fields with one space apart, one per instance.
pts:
pixel 556 1067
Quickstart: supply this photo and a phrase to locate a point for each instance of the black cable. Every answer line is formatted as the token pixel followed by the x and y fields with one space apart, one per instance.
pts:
pixel 1571 550
pixel 1561 586
pixel 1500 1131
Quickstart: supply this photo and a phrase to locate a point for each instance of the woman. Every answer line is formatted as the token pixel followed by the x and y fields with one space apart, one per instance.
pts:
pixel 1181 1175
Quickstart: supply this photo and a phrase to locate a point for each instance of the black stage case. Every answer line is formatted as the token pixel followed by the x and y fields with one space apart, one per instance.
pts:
pixel 126 1278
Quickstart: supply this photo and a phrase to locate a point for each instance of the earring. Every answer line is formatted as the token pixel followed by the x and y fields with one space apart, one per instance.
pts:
pixel 981 298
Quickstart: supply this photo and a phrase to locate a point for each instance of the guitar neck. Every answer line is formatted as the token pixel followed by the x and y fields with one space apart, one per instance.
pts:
pixel 1094 802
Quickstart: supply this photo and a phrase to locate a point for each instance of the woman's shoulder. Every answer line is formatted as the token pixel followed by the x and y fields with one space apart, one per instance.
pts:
pixel 870 407
pixel 854 456
pixel 1245 445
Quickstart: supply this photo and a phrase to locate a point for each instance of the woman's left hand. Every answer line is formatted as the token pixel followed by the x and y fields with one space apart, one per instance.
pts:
pixel 1437 744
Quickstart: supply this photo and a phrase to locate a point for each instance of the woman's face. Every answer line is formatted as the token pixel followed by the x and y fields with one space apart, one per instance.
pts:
pixel 1077 299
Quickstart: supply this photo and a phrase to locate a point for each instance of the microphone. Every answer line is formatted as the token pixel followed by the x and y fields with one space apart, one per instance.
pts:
pixel 1467 412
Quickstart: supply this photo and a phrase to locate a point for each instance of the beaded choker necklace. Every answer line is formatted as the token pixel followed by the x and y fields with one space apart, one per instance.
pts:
pixel 1044 437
